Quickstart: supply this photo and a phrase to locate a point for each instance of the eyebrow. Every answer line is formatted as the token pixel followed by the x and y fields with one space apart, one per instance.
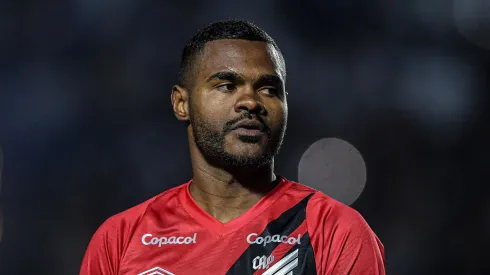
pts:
pixel 231 76
pixel 235 77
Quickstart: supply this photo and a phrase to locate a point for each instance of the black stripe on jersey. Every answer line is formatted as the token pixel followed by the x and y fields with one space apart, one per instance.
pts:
pixel 287 222
pixel 306 257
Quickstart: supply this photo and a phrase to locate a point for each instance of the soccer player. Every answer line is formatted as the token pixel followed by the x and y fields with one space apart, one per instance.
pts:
pixel 236 216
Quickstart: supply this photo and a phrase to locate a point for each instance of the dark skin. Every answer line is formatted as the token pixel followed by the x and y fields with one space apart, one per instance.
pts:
pixel 235 81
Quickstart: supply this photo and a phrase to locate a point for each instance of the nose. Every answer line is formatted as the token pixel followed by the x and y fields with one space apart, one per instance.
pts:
pixel 249 101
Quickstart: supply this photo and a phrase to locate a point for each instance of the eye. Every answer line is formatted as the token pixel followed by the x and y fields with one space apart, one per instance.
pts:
pixel 270 91
pixel 226 87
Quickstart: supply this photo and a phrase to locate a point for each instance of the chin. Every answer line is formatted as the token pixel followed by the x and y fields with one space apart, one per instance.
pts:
pixel 247 162
pixel 247 151
pixel 240 154
pixel 248 158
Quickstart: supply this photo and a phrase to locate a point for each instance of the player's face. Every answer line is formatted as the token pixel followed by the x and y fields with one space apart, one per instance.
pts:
pixel 238 107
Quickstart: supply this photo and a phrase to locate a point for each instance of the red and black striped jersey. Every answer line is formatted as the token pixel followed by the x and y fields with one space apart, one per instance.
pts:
pixel 292 230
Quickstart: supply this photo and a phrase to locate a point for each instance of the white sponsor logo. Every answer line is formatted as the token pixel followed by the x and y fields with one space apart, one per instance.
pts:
pixel 262 262
pixel 148 239
pixel 285 266
pixel 253 239
pixel 156 271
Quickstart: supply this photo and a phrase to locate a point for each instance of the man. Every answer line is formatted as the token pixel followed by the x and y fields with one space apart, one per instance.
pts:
pixel 235 216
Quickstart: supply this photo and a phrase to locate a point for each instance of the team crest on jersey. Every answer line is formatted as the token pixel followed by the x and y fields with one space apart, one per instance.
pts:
pixel 156 271
pixel 262 262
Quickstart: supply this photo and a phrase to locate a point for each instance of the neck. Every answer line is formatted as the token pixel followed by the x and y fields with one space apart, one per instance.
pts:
pixel 228 193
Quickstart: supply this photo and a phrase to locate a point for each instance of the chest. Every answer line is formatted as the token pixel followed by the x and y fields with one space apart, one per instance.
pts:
pixel 193 250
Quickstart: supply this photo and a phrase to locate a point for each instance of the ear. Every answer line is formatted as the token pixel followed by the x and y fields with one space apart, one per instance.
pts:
pixel 180 102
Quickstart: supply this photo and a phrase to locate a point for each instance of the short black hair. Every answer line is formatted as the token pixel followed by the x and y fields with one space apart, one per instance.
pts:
pixel 227 29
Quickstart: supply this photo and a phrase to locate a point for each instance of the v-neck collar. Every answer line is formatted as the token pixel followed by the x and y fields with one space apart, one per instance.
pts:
pixel 212 224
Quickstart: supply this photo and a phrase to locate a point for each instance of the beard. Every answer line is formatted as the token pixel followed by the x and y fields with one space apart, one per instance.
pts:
pixel 211 143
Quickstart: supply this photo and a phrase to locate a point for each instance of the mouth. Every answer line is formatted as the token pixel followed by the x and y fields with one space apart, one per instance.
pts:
pixel 252 128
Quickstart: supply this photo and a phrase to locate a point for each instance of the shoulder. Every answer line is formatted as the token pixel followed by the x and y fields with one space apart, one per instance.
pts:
pixel 329 219
pixel 131 217
pixel 337 213
pixel 323 210
pixel 109 243
pixel 341 238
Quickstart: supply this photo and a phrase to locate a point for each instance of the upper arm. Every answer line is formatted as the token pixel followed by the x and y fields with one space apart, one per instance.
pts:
pixel 358 251
pixel 343 241
pixel 103 252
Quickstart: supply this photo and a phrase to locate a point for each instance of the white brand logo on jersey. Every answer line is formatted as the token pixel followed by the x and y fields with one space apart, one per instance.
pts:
pixel 285 266
pixel 156 271
pixel 148 239
pixel 253 239
pixel 262 262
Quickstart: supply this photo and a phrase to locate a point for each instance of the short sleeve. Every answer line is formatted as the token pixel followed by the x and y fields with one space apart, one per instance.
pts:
pixel 359 252
pixel 342 240
pixel 103 252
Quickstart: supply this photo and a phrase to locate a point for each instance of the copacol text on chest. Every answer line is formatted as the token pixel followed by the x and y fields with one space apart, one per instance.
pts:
pixel 253 239
pixel 148 239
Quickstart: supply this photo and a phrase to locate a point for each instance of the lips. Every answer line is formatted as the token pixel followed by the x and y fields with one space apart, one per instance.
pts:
pixel 249 128
pixel 250 125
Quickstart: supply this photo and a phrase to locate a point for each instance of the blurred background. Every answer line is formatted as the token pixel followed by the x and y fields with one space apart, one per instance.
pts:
pixel 87 128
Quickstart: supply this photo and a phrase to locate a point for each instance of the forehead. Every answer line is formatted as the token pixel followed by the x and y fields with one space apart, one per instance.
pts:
pixel 250 58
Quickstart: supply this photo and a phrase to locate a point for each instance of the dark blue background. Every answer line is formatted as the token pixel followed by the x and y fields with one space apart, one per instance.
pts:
pixel 87 128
